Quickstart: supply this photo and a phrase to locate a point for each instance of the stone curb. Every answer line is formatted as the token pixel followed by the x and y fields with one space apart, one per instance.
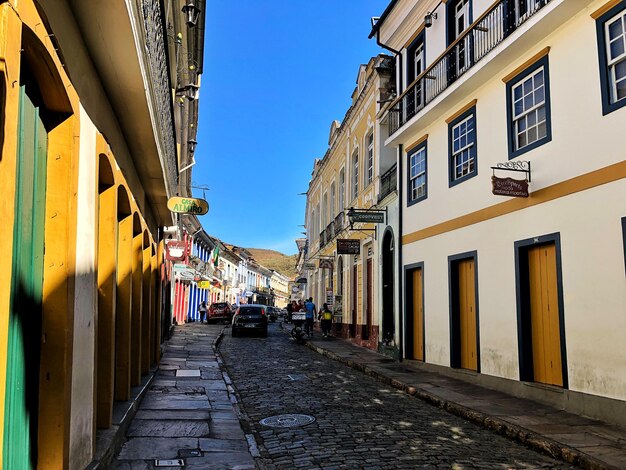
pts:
pixel 244 419
pixel 514 432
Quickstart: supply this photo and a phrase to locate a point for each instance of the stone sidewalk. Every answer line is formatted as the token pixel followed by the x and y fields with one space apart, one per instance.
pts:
pixel 189 417
pixel 585 442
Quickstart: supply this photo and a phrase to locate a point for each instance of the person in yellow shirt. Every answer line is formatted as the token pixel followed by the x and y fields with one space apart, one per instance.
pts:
pixel 326 318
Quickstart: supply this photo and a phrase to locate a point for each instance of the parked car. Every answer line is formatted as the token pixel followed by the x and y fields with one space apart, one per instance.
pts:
pixel 272 313
pixel 251 318
pixel 220 311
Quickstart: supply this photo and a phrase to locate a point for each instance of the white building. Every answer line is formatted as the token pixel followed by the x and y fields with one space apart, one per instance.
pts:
pixel 523 294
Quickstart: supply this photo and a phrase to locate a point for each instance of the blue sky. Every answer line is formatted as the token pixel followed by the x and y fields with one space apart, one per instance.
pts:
pixel 276 73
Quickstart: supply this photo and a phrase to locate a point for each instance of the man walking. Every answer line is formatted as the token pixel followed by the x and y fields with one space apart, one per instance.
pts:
pixel 309 307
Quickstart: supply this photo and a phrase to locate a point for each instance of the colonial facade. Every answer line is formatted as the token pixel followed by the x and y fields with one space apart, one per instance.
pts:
pixel 91 152
pixel 279 288
pixel 348 177
pixel 518 290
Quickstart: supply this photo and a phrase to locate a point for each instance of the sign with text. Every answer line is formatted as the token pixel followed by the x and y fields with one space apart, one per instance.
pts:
pixel 374 217
pixel 326 264
pixel 348 246
pixel 188 205
pixel 203 284
pixel 329 299
pixel 509 187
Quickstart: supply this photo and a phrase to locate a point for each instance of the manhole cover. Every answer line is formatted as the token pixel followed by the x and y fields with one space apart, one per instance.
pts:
pixel 287 421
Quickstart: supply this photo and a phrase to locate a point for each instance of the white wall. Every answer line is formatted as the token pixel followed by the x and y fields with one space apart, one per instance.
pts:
pixel 588 221
pixel 85 300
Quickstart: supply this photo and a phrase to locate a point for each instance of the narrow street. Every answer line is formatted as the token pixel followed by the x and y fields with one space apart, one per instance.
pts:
pixel 359 423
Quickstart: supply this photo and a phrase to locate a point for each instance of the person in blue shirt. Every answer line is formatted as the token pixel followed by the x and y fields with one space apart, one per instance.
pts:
pixel 309 307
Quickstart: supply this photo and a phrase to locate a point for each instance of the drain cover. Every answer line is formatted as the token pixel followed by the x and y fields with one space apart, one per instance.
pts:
pixel 287 421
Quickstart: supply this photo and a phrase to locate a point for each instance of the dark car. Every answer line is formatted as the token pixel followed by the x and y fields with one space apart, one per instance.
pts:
pixel 272 313
pixel 219 311
pixel 251 318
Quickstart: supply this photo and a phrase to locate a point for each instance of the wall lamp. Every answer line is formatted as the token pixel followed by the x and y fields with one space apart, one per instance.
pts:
pixel 189 91
pixel 192 12
pixel 191 145
pixel 428 19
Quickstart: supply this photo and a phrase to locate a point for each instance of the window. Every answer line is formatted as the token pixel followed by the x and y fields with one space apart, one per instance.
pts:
pixel 325 211
pixel 417 174
pixel 462 147
pixel 416 65
pixel 370 158
pixel 611 32
pixel 528 109
pixel 355 174
pixel 342 189
pixel 332 200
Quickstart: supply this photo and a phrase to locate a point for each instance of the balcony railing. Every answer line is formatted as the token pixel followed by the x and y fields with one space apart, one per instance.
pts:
pixel 388 183
pixel 487 32
pixel 330 233
pixel 339 220
pixel 323 238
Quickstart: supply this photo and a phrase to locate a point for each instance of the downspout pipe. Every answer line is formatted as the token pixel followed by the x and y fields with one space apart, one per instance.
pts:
pixel 399 247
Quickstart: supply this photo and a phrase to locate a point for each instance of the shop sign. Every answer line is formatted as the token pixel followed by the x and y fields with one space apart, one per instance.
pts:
pixel 184 272
pixel 309 267
pixel 509 187
pixel 374 217
pixel 175 250
pixel 330 299
pixel 204 284
pixel 326 264
pixel 348 246
pixel 188 205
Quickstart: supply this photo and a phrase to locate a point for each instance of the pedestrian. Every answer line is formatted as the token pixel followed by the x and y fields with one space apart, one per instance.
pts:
pixel 289 311
pixel 309 307
pixel 326 319
pixel 202 310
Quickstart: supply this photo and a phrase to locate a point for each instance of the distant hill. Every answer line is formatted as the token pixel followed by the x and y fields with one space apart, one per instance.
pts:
pixel 284 264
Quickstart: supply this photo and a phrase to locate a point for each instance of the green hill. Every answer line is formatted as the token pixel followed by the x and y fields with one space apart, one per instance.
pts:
pixel 284 264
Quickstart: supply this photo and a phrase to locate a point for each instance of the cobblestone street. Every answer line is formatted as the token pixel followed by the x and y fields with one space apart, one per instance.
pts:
pixel 360 423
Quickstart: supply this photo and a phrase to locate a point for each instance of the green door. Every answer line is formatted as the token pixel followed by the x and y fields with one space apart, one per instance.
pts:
pixel 22 386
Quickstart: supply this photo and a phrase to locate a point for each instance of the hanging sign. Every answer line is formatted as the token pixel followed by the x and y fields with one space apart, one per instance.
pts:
pixel 509 187
pixel 204 284
pixel 375 217
pixel 348 246
pixel 326 264
pixel 308 267
pixel 188 205
pixel 176 250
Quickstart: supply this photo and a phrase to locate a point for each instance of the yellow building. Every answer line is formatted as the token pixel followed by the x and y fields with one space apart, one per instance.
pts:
pixel 348 176
pixel 90 155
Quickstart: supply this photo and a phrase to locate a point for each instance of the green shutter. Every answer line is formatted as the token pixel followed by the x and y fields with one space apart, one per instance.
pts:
pixel 22 386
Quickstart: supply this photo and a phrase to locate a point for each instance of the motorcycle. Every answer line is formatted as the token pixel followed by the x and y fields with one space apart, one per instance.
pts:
pixel 297 332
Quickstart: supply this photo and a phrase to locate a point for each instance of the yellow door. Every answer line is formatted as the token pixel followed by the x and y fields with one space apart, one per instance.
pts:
pixel 544 315
pixel 467 315
pixel 418 316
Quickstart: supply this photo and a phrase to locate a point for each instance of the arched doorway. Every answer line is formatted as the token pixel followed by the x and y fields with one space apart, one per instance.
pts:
pixel 388 288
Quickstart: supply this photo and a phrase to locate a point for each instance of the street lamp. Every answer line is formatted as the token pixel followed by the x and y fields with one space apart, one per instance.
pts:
pixel 192 12
pixel 191 144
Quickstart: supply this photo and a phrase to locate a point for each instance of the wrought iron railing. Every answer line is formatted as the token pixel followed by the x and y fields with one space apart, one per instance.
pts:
pixel 487 32
pixel 388 183
pixel 339 221
pixel 330 231
pixel 323 238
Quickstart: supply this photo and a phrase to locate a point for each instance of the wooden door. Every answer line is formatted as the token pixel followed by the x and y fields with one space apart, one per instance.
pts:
pixel 544 315
pixel 467 314
pixel 418 315
pixel 370 300
pixel 24 335
pixel 355 298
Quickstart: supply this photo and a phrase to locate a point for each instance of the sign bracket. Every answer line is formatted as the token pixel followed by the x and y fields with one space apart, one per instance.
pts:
pixel 521 166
